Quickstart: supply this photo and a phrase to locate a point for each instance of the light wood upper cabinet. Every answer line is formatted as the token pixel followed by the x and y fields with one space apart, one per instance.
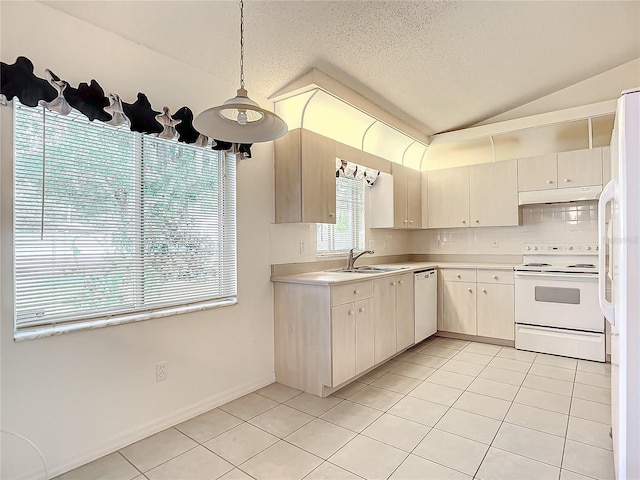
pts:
pixel 493 194
pixel 538 173
pixel 580 168
pixel 305 180
pixel 448 197
pixel 407 200
pixel 405 314
pixel 577 168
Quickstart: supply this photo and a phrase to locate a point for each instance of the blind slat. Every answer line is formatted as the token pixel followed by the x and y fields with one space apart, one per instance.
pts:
pixel 128 223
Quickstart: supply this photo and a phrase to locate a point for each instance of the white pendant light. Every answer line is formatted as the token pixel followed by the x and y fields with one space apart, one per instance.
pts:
pixel 240 119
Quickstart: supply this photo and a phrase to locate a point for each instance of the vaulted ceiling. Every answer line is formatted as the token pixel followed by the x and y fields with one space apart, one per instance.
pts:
pixel 439 65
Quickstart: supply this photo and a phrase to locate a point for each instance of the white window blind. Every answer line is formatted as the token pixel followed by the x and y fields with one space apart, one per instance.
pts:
pixel 109 222
pixel 348 231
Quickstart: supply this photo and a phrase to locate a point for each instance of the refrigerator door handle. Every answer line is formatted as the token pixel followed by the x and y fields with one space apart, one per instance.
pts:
pixel 608 308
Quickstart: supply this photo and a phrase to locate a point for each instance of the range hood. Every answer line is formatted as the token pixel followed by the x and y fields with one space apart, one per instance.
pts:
pixel 560 195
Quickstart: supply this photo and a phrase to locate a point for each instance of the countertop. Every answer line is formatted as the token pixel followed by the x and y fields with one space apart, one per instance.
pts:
pixel 333 278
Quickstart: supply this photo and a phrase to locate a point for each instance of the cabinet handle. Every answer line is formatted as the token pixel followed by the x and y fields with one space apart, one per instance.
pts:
pixel 393 283
pixel 484 290
pixel 355 292
pixel 401 282
pixel 469 290
pixel 463 221
pixel 361 310
pixel 350 312
pixel 495 277
pixel 549 182
pixel 332 214
pixel 458 275
pixel 567 180
pixel 406 221
pixel 410 221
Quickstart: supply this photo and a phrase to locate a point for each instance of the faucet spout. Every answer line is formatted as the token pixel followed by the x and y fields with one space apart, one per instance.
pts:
pixel 351 259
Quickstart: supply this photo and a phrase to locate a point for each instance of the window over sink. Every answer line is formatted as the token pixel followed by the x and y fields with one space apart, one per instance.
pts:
pixel 348 231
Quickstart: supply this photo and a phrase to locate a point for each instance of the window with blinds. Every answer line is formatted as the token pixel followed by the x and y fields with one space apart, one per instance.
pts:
pixel 108 222
pixel 348 231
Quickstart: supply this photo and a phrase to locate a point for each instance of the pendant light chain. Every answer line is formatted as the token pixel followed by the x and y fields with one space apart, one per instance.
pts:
pixel 241 44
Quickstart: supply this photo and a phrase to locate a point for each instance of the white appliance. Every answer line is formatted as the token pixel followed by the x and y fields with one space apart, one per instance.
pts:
pixel 425 285
pixel 622 244
pixel 556 301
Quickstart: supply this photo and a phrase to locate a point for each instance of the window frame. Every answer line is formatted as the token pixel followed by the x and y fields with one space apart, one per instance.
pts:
pixel 359 219
pixel 226 166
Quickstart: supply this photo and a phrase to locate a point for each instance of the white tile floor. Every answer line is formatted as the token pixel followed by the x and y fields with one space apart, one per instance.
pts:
pixel 444 409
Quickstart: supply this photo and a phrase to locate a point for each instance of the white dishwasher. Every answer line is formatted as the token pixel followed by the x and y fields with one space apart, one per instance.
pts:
pixel 425 284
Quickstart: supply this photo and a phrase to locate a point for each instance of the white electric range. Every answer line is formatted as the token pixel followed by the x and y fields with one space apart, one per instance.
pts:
pixel 556 301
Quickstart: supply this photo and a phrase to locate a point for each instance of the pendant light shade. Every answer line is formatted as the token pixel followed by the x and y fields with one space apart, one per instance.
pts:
pixel 240 119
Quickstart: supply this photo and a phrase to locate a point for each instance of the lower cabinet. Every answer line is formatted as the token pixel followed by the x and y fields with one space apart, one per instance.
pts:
pixel 394 317
pixel 478 302
pixel 326 335
pixel 495 311
pixel 460 307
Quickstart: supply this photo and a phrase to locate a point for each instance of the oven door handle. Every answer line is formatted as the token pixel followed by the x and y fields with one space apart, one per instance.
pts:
pixel 584 277
pixel 608 308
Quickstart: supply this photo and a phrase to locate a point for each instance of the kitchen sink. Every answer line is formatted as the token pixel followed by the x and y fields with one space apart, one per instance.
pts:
pixel 369 269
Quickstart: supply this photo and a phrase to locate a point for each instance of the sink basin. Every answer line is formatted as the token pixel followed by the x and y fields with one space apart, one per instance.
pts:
pixel 369 269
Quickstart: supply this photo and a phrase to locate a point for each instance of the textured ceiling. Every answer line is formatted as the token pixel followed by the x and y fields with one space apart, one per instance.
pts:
pixel 438 65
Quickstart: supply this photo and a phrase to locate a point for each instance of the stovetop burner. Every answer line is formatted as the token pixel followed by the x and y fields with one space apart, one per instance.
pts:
pixel 582 265
pixel 537 264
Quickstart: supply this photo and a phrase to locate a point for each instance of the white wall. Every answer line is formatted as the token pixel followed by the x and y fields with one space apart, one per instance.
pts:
pixel 81 395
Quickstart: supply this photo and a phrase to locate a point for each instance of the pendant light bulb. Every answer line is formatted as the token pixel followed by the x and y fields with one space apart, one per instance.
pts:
pixel 240 119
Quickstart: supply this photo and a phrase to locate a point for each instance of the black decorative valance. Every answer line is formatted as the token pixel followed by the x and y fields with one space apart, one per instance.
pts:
pixel 18 80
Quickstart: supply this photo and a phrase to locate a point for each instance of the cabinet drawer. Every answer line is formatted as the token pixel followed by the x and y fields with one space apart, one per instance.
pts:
pixel 495 276
pixel 351 292
pixel 459 274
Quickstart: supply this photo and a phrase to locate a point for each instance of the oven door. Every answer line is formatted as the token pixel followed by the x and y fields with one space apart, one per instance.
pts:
pixel 562 300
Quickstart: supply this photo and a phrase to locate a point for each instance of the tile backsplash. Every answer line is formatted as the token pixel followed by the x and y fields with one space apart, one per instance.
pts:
pixel 560 222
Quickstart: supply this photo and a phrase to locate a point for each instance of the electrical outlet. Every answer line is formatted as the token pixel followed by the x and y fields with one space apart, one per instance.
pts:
pixel 302 248
pixel 494 244
pixel 161 371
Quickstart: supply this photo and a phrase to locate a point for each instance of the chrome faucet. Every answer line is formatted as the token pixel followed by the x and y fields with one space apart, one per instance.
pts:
pixel 351 259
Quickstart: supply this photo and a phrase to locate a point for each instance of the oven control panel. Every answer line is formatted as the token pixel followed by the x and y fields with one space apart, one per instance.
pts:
pixel 560 248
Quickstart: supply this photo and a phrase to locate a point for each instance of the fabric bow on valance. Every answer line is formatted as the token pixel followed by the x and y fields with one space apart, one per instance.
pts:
pixel 55 94
pixel 353 170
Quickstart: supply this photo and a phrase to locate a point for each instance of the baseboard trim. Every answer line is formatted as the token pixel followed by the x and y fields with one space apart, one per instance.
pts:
pixel 117 442
pixel 475 338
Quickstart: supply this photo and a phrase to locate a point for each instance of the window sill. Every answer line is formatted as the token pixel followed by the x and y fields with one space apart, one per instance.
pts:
pixel 51 330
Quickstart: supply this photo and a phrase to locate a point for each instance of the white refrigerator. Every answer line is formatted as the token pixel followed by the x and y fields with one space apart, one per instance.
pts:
pixel 620 267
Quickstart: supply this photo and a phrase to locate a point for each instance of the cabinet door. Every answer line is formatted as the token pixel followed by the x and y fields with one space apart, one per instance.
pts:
pixel 405 314
pixel 495 311
pixel 400 179
pixel 493 194
pixel 318 176
pixel 365 335
pixel 343 343
pixel 384 322
pixel 580 168
pixel 459 309
pixel 448 197
pixel 538 173
pixel 414 199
